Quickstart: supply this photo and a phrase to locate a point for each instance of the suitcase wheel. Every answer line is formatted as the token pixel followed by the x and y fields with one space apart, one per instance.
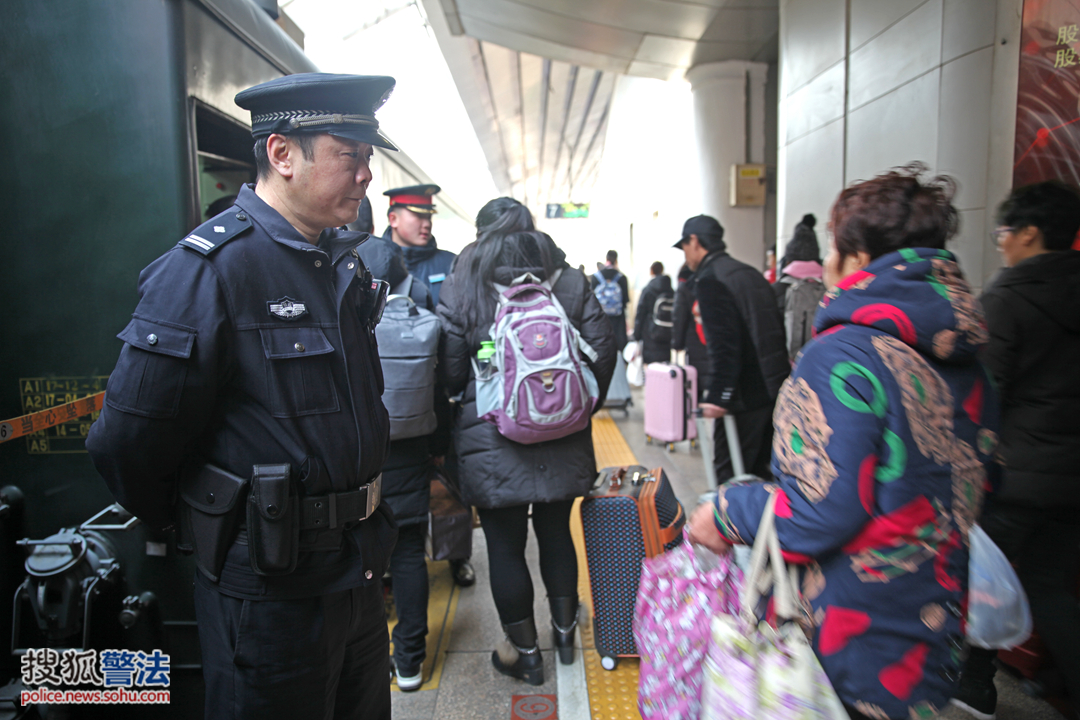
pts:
pixel 693 443
pixel 671 447
pixel 648 439
pixel 609 662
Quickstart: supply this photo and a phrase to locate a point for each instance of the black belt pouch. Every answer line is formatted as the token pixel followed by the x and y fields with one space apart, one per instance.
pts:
pixel 273 520
pixel 209 515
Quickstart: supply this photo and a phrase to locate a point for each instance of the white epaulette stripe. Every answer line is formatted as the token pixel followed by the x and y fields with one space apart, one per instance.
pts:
pixel 204 244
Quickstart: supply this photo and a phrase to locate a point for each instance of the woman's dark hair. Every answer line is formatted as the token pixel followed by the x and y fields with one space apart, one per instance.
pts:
pixel 894 210
pixel 505 236
pixel 1052 206
pixel 657 268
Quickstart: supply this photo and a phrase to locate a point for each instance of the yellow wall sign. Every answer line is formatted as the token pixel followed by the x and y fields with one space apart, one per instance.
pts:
pixel 748 185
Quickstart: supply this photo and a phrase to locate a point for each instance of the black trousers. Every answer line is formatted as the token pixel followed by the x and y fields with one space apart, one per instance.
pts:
pixel 324 657
pixel 1044 544
pixel 755 439
pixel 408 568
pixel 506 531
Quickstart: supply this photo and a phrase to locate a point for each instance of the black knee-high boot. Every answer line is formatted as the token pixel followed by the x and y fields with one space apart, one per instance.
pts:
pixel 564 617
pixel 519 654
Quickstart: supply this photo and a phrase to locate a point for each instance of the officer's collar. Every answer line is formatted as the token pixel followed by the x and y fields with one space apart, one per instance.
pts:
pixel 270 220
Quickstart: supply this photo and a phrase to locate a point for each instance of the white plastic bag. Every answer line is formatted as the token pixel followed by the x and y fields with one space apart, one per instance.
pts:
pixel 635 365
pixel 998 614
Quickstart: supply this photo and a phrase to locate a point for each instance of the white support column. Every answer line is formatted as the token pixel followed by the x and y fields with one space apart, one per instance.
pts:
pixel 728 135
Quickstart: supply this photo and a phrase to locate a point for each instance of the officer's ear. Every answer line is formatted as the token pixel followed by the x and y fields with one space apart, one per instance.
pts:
pixel 281 153
pixel 392 219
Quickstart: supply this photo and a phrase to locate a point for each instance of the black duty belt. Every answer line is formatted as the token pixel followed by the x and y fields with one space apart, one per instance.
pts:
pixel 327 512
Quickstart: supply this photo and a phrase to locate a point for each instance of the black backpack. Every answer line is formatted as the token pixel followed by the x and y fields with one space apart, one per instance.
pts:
pixel 662 318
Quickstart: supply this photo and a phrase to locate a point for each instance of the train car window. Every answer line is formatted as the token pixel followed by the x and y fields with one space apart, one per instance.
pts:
pixel 225 160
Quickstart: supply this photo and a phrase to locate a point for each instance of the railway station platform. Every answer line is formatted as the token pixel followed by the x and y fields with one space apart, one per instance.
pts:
pixel 459 680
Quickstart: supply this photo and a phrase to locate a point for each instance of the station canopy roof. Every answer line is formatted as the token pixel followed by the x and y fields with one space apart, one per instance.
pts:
pixel 537 76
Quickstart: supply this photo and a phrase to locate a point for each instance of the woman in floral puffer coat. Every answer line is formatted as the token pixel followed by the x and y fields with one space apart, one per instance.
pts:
pixel 883 436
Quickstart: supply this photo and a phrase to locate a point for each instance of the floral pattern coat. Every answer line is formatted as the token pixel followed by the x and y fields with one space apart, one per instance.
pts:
pixel 884 434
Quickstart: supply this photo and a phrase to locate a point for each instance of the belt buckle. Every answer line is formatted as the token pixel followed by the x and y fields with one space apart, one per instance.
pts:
pixel 374 491
pixel 331 501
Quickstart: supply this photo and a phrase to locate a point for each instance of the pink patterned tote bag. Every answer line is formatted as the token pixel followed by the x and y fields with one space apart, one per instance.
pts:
pixel 679 593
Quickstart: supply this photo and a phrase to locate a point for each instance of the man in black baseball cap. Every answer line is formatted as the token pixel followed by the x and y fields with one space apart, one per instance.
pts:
pixel 744 336
pixel 263 419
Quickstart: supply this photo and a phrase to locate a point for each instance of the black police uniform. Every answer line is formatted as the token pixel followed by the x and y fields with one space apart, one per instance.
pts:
pixel 251 346
pixel 427 263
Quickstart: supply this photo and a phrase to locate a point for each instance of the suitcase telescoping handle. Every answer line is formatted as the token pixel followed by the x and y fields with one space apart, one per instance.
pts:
pixel 732 432
pixel 705 436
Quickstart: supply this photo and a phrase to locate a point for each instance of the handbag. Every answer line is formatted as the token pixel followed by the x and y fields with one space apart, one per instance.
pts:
pixel 450 523
pixel 754 670
pixel 680 591
pixel 635 364
pixel 998 615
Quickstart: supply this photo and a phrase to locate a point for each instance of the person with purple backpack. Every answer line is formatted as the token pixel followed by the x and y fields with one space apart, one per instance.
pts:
pixel 528 346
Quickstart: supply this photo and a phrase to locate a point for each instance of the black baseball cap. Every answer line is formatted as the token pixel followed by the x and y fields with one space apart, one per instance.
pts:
pixel 708 229
pixel 342 105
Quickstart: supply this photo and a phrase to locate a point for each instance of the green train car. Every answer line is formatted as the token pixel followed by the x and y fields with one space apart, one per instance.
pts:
pixel 119 132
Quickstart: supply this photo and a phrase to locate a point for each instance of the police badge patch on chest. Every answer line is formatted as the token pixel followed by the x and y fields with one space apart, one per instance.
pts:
pixel 286 308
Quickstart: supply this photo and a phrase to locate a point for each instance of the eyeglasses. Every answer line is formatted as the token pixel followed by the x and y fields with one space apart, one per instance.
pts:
pixel 995 235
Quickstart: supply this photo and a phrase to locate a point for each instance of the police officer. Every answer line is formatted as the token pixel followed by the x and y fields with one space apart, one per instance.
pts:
pixel 409 219
pixel 248 389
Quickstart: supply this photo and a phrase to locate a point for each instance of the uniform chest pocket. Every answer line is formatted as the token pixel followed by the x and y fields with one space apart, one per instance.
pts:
pixel 150 374
pixel 299 373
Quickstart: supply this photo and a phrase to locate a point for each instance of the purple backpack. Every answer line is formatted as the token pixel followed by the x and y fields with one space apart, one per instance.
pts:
pixel 537 386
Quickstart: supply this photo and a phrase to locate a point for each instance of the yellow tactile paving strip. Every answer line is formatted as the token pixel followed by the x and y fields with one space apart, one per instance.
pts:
pixel 442 605
pixel 612 693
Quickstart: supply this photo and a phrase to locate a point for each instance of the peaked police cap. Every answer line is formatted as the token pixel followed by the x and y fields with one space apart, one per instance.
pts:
pixel 341 105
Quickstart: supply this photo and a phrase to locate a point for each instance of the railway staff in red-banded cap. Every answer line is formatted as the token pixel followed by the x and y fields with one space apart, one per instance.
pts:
pixel 249 387
pixel 409 226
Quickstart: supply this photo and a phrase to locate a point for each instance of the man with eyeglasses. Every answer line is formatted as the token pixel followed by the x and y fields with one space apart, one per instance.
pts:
pixel 1033 315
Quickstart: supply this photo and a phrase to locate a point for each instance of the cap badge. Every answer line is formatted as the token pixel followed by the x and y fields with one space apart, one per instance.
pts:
pixel 286 308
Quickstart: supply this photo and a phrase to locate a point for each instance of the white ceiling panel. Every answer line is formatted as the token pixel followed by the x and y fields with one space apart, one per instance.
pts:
pixel 741 25
pixel 490 32
pixel 563 29
pixel 643 16
pixel 666 51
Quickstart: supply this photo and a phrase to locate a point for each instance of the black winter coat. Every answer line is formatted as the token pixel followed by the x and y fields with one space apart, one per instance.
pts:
pixel 744 333
pixel 495 472
pixel 684 331
pixel 656 341
pixel 1033 315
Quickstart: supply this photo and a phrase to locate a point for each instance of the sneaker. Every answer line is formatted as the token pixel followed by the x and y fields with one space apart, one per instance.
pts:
pixel 977 699
pixel 409 683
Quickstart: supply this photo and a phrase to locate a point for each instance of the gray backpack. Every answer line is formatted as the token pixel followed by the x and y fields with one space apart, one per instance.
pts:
pixel 800 307
pixel 408 347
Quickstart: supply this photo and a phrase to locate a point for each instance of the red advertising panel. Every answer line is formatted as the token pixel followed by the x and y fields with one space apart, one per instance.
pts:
pixel 1047 112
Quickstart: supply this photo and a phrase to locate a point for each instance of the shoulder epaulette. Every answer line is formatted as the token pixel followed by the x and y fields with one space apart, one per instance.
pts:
pixel 217 231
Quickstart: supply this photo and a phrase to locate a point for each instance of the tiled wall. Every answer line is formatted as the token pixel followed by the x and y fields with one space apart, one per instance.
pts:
pixel 869 84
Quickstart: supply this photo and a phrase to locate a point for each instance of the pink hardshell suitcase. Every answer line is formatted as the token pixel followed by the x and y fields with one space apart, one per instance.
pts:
pixel 670 401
